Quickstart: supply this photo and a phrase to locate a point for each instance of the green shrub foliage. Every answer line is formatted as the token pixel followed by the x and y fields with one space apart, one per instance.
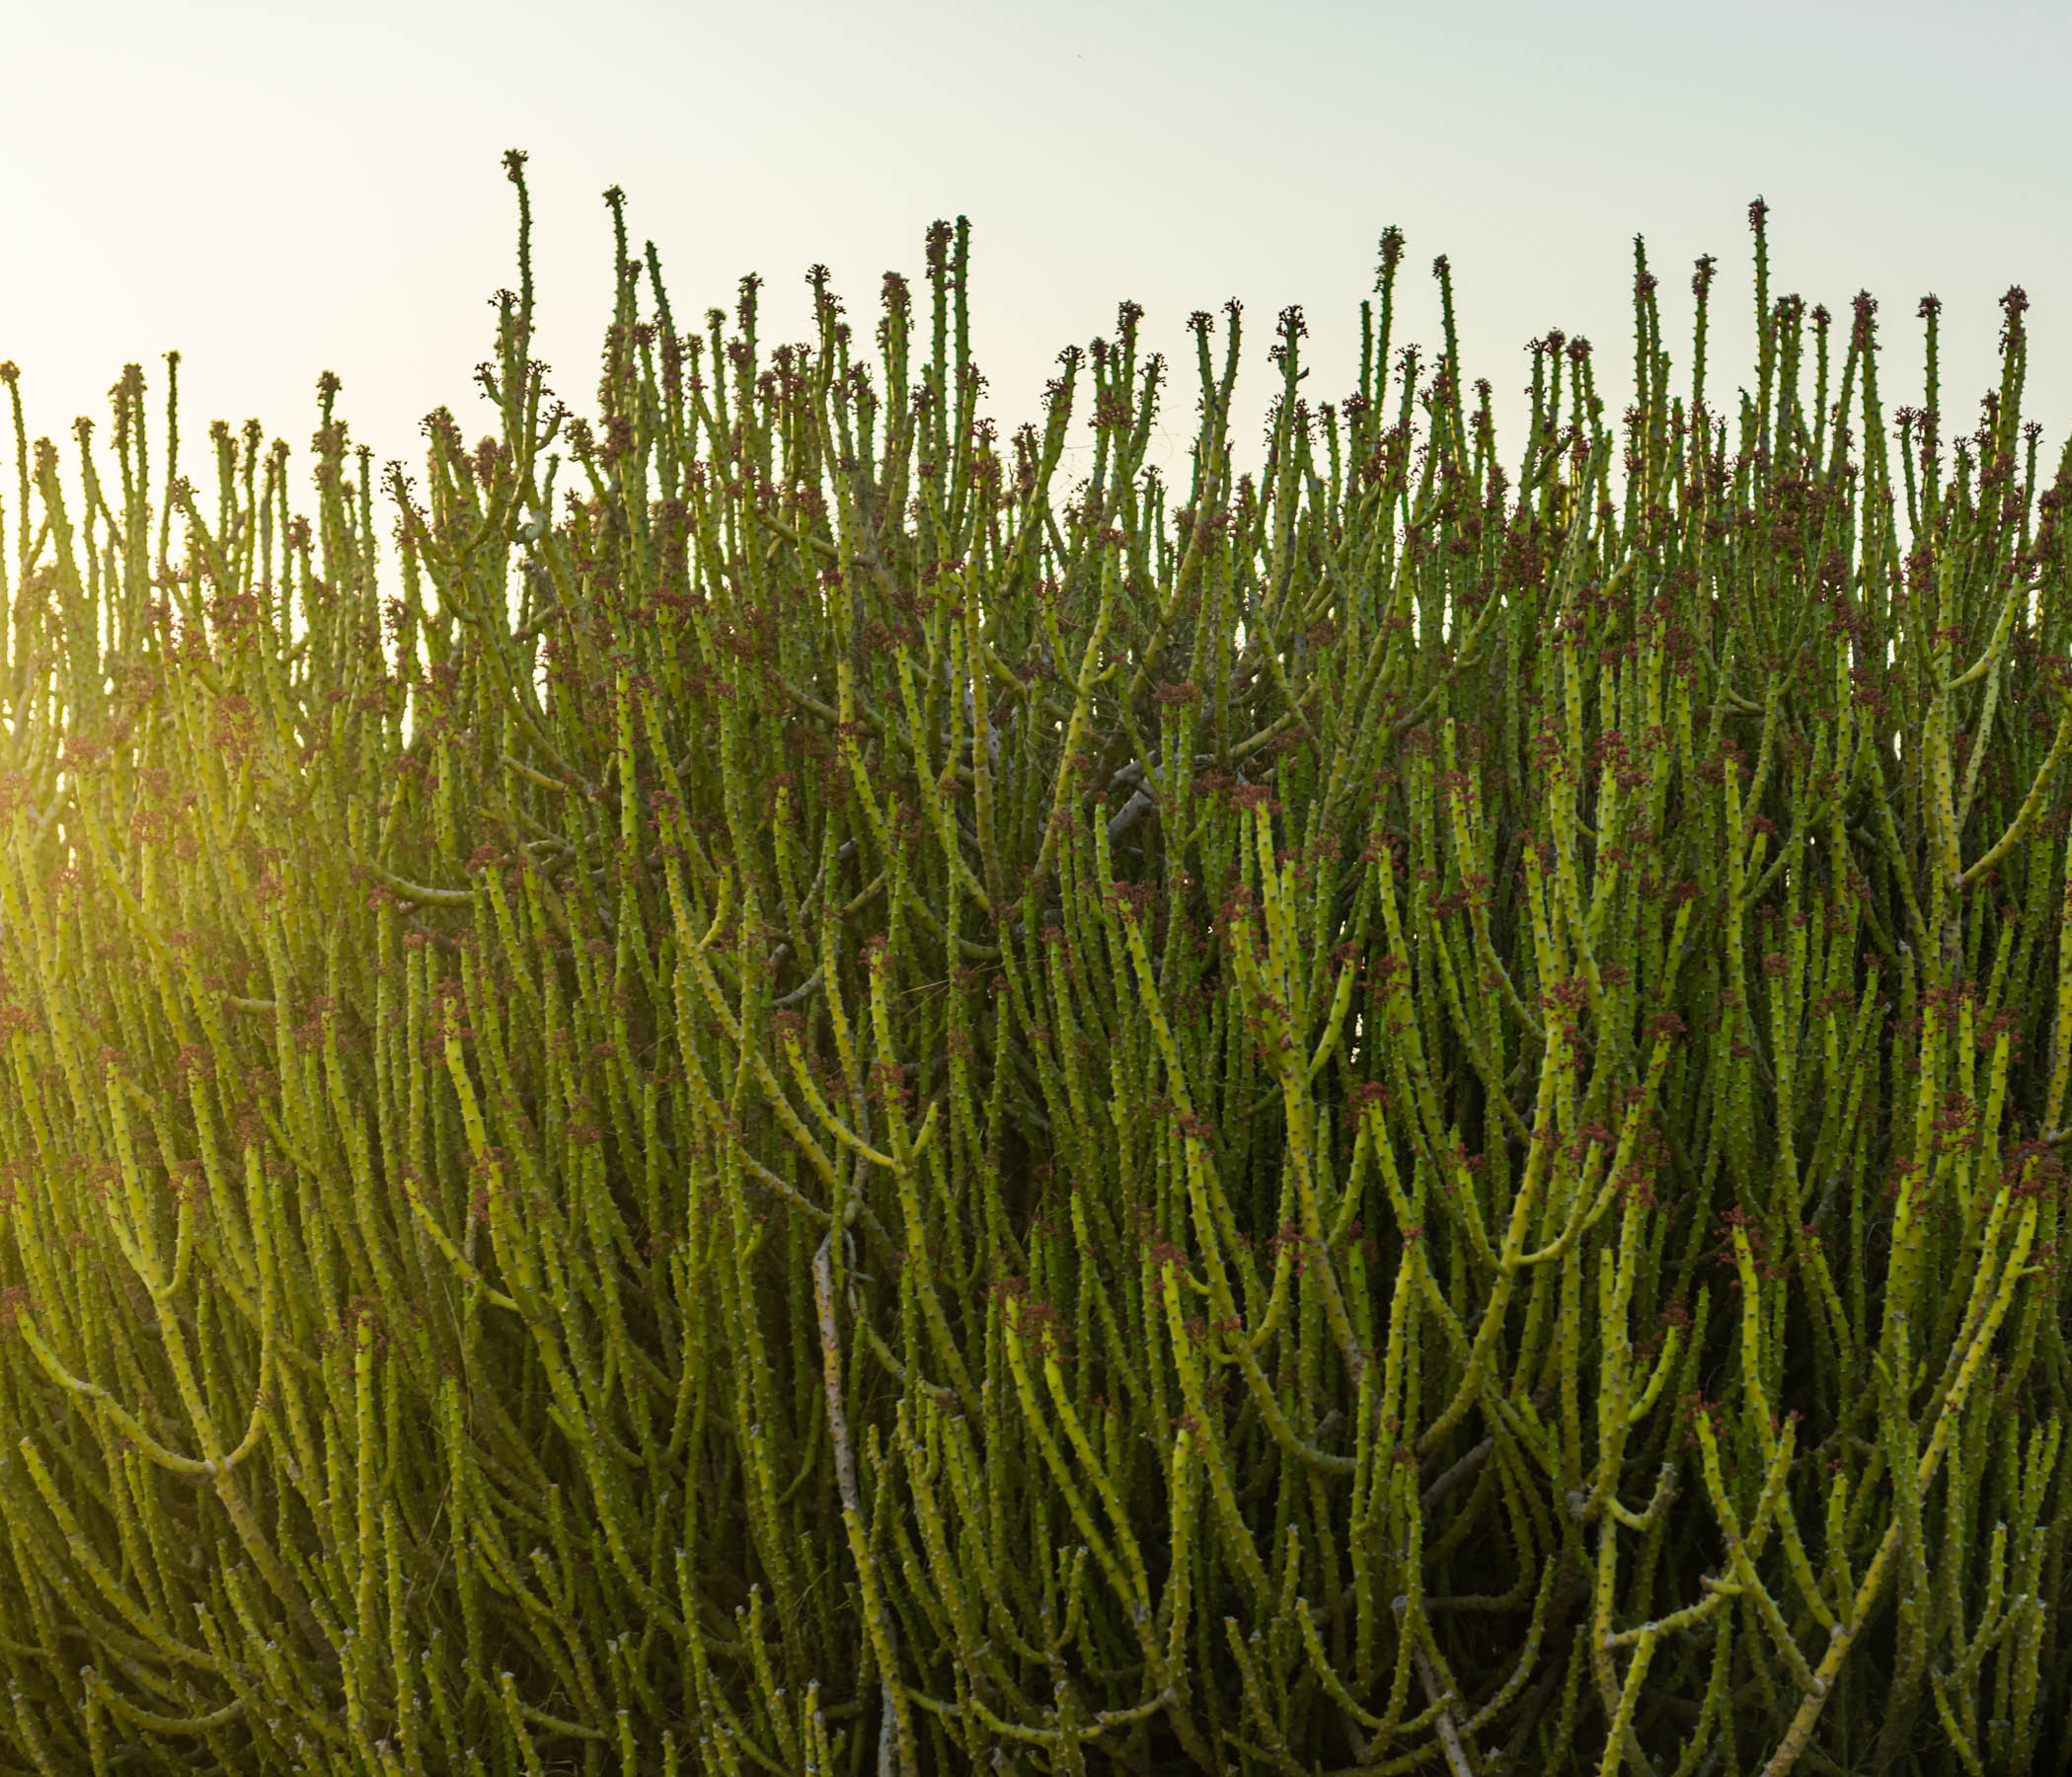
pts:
pixel 799 1100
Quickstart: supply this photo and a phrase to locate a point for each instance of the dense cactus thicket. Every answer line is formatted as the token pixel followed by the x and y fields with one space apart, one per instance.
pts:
pixel 795 1100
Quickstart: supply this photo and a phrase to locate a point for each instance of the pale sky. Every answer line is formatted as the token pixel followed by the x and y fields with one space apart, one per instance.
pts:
pixel 280 189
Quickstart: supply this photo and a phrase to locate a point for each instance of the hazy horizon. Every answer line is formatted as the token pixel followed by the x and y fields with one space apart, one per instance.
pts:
pixel 274 194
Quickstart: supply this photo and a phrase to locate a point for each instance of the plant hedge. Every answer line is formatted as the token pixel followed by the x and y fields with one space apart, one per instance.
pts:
pixel 746 1088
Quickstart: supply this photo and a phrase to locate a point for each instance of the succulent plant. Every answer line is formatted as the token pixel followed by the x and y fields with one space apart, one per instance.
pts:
pixel 779 1097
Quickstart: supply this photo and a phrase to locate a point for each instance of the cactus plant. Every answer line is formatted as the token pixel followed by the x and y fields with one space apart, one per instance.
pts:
pixel 771 1095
